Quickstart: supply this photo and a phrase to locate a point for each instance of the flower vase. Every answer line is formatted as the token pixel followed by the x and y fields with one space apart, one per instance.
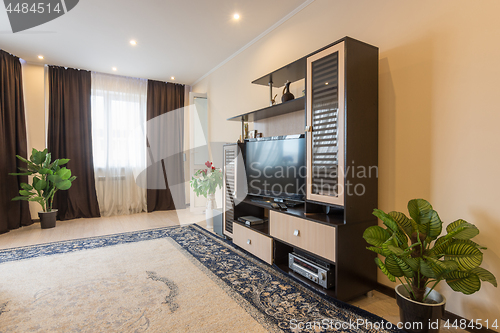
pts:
pixel 209 212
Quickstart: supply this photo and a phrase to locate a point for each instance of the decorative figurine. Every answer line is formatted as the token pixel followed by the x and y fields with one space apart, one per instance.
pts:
pixel 287 95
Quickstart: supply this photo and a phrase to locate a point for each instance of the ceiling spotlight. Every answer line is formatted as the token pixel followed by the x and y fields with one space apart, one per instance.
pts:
pixel 236 16
pixel 172 78
pixel 114 69
pixel 133 42
pixel 40 57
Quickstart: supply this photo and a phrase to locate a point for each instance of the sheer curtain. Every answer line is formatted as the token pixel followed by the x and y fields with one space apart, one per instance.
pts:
pixel 119 142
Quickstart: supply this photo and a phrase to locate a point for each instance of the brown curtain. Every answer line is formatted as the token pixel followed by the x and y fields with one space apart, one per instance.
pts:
pixel 165 134
pixel 13 214
pixel 70 136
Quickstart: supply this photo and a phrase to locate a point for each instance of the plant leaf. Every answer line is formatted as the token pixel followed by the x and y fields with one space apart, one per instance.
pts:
pixel 441 268
pixel 26 187
pixel 376 250
pixel 54 178
pixel 439 247
pixel 392 226
pixel 417 207
pixel 384 270
pixel 426 270
pixel 26 193
pixel 20 198
pixel 414 263
pixel 64 173
pixel 465 254
pixel 461 229
pixel 63 161
pixel 407 271
pixel 485 275
pixel 63 185
pixel 396 250
pixel 38 157
pixel 464 282
pixel 376 235
pixel 403 222
pixel 40 185
pixel 392 266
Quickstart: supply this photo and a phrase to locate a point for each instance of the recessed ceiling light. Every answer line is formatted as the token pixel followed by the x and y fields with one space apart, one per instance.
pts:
pixel 172 78
pixel 40 57
pixel 236 16
pixel 326 83
pixel 114 69
pixel 133 42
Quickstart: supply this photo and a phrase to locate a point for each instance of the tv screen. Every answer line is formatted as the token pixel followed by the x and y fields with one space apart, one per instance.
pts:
pixel 276 168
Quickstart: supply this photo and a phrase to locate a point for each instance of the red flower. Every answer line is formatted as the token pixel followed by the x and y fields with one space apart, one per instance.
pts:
pixel 208 164
pixel 213 168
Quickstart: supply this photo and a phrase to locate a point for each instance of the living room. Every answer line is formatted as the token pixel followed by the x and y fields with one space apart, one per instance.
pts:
pixel 437 74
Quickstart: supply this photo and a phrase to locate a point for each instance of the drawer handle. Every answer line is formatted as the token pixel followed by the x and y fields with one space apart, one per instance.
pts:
pixel 249 242
pixel 296 233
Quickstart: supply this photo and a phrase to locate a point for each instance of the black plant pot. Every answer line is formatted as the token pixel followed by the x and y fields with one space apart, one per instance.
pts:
pixel 48 219
pixel 420 317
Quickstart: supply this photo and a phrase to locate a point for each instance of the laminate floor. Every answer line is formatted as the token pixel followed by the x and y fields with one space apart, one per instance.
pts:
pixel 379 304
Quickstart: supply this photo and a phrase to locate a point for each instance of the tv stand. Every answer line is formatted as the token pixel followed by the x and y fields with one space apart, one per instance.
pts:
pixel 326 225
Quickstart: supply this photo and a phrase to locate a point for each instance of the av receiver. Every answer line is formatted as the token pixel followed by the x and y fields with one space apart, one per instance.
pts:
pixel 314 270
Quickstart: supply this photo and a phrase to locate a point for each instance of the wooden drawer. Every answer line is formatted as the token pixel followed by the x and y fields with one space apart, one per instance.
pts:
pixel 311 236
pixel 253 242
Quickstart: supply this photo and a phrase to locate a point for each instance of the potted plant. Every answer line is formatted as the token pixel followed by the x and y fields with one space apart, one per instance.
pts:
pixel 48 178
pixel 205 182
pixel 420 258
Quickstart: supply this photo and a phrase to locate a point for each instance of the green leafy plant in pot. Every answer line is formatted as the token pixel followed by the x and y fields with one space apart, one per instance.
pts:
pixel 420 258
pixel 48 177
pixel 205 182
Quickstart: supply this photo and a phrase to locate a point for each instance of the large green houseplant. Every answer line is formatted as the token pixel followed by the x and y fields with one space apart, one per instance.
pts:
pixel 48 177
pixel 420 258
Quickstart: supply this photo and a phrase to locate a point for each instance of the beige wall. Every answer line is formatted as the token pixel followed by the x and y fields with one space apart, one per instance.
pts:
pixel 439 115
pixel 34 103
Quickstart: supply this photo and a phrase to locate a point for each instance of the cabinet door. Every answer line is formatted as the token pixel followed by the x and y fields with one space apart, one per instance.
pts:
pixel 325 118
pixel 229 187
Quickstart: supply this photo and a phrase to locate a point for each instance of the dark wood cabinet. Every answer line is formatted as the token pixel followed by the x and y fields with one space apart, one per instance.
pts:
pixel 341 117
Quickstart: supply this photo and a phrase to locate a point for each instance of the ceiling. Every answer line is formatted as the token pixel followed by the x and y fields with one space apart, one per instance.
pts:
pixel 184 39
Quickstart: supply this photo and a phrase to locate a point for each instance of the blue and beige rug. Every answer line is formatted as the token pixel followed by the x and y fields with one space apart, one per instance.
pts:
pixel 176 279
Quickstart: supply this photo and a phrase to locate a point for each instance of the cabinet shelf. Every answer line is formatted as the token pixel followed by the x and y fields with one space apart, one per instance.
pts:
pixel 260 228
pixel 272 111
pixel 331 220
pixel 292 72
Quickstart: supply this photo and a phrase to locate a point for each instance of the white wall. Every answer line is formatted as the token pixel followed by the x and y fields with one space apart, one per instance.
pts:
pixel 34 104
pixel 439 115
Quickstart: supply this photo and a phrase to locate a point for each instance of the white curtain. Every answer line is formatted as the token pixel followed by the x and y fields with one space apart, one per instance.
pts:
pixel 119 142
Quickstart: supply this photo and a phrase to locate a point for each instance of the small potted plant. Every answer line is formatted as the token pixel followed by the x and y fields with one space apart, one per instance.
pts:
pixel 47 178
pixel 420 258
pixel 205 182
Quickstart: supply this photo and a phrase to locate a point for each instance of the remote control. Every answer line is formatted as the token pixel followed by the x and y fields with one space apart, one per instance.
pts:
pixel 275 205
pixel 282 206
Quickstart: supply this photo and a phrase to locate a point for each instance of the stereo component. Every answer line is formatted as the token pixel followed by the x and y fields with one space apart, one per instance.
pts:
pixel 313 271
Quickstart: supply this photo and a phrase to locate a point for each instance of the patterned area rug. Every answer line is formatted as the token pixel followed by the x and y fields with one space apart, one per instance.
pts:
pixel 176 279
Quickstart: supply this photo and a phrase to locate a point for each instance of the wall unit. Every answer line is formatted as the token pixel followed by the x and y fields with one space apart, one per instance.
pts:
pixel 341 113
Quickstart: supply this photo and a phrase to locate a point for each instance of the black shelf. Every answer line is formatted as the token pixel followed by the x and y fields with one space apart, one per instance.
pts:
pixel 299 211
pixel 262 228
pixel 272 111
pixel 292 72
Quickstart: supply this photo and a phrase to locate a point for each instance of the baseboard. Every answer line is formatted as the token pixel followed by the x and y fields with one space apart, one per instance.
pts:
pixel 451 317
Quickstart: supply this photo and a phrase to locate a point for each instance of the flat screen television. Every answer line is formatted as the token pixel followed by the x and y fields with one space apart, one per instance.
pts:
pixel 276 167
